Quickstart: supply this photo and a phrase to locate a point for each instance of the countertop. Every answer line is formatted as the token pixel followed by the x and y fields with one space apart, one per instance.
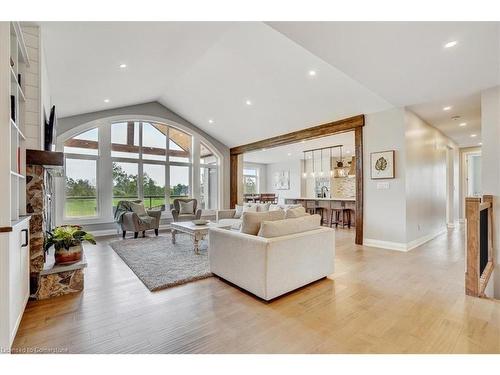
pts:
pixel 323 199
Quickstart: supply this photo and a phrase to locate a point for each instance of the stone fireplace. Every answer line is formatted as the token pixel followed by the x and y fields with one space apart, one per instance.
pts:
pixel 46 279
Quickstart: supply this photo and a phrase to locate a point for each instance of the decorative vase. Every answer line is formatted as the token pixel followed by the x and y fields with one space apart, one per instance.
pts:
pixel 68 256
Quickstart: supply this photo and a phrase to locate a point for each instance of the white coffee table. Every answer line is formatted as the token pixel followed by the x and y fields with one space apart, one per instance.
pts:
pixel 198 232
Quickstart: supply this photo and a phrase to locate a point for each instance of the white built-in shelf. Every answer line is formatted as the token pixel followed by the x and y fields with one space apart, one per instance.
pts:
pixel 14 125
pixel 16 82
pixel 16 174
pixel 13 75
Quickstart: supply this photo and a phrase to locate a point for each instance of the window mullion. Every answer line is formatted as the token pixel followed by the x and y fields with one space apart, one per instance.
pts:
pixel 140 169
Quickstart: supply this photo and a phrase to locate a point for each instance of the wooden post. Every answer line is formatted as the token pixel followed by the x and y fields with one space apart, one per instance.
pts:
pixel 358 150
pixel 489 199
pixel 472 273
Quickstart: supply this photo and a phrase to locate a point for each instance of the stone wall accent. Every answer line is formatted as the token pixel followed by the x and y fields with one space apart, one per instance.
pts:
pixel 35 192
pixel 61 283
pixel 343 187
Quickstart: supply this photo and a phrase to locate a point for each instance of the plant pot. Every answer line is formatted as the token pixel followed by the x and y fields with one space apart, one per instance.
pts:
pixel 68 256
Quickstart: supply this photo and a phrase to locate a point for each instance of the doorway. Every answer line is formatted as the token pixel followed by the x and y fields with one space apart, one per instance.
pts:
pixel 354 124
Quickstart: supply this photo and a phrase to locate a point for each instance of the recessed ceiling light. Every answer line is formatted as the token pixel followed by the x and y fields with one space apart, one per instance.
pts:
pixel 312 73
pixel 480 143
pixel 453 43
pixel 447 108
pixel 106 100
pixel 263 149
pixel 289 154
pixel 248 102
pixel 348 152
pixel 123 66
pixel 473 135
pixel 462 124
pixel 210 121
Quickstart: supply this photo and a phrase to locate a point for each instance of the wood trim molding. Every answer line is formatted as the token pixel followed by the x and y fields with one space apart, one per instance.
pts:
pixel 475 281
pixel 233 176
pixel 334 127
pixel 358 151
pixel 355 124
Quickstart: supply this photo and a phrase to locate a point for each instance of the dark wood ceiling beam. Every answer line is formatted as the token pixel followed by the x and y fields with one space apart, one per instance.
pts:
pixel 81 143
pixel 323 130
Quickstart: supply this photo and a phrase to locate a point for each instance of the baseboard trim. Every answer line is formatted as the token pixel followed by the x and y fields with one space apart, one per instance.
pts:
pixel 420 241
pixel 388 245
pixel 401 246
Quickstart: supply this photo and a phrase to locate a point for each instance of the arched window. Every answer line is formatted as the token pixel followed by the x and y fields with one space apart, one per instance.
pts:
pixel 130 160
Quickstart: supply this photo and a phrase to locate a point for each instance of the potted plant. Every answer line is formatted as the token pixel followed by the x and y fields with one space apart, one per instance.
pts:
pixel 67 241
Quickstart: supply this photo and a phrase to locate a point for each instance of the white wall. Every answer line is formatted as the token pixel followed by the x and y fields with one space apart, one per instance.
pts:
pixel 426 151
pixel 412 209
pixel 32 89
pixel 384 210
pixel 294 166
pixel 490 156
pixel 46 99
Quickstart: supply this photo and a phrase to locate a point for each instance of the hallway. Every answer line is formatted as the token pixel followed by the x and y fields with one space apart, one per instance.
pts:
pixel 377 301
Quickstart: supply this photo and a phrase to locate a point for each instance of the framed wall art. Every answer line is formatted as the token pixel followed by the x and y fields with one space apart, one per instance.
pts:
pixel 382 165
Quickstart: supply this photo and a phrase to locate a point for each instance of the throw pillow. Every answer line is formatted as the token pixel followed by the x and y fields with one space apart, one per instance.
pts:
pixel 250 223
pixel 279 228
pixel 186 208
pixel 249 208
pixel 263 207
pixel 292 213
pixel 138 209
pixel 238 211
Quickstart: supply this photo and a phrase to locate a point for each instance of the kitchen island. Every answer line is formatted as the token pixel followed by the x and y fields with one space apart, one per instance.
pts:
pixel 326 204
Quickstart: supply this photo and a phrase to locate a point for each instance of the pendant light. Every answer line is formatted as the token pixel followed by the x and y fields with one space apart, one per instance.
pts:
pixel 313 174
pixel 339 168
pixel 352 169
pixel 304 174
pixel 331 163
pixel 321 156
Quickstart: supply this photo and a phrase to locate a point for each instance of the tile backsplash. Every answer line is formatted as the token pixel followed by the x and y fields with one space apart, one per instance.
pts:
pixel 343 187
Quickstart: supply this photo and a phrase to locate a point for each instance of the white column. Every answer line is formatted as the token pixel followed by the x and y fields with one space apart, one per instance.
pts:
pixel 195 187
pixel 104 172
pixel 490 167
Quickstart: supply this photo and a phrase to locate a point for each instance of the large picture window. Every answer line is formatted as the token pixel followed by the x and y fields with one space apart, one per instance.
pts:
pixel 80 190
pixel 136 160
pixel 250 181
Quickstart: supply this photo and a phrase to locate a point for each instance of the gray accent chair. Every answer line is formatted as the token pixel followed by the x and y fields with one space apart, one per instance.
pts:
pixel 195 215
pixel 130 222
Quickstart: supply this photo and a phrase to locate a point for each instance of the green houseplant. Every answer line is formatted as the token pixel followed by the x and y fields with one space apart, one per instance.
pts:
pixel 67 241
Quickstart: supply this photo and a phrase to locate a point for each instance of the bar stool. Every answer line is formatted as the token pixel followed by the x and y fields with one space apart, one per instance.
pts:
pixel 320 211
pixel 346 215
pixel 310 207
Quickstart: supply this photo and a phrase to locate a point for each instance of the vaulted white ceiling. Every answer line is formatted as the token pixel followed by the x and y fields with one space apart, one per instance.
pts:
pixel 208 70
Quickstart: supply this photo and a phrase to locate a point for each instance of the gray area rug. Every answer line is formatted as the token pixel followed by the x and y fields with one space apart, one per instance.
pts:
pixel 159 264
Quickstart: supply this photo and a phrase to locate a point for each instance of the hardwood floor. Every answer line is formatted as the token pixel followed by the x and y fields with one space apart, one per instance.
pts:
pixel 377 301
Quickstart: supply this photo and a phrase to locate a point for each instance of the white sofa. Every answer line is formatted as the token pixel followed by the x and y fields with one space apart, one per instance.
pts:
pixel 270 267
pixel 228 216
